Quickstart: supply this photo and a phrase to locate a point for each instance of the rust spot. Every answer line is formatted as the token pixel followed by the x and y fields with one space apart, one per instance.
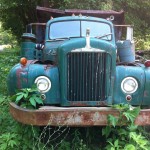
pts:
pixel 18 75
pixel 103 103
pixel 86 117
pixel 77 104
pixel 25 80
pixel 71 116
pixel 47 67
pixel 21 75
pixel 145 93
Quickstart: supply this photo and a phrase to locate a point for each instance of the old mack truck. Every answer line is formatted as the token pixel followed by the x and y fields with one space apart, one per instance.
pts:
pixel 82 61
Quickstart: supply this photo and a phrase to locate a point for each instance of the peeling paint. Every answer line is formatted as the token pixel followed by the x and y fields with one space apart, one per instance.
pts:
pixel 73 116
pixel 146 93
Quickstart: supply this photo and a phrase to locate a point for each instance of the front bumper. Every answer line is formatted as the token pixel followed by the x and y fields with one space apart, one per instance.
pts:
pixel 70 116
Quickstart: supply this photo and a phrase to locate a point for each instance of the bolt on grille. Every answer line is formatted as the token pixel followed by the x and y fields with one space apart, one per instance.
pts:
pixel 88 76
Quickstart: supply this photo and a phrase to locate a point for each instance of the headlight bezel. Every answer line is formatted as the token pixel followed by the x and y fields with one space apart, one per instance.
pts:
pixel 126 80
pixel 43 81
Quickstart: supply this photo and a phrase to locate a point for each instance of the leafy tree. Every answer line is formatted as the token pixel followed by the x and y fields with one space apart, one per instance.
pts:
pixel 16 14
pixel 137 13
pixel 90 4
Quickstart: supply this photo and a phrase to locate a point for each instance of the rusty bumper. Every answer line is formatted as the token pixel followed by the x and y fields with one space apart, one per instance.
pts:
pixel 70 116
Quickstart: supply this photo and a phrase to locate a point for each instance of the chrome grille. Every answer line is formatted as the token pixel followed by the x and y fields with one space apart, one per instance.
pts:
pixel 88 76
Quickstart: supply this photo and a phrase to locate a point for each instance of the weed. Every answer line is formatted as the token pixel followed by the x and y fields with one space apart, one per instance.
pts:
pixel 8 58
pixel 121 132
pixel 116 136
pixel 13 135
pixel 27 98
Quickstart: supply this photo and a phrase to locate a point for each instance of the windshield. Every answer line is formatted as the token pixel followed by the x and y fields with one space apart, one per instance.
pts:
pixel 68 29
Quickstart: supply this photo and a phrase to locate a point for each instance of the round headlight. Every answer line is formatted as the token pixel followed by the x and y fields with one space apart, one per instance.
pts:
pixel 43 84
pixel 129 85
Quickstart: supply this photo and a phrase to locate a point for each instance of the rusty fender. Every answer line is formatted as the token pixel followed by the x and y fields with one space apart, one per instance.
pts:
pixel 70 116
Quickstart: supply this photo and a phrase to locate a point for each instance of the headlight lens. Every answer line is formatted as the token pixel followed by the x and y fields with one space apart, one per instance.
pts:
pixel 129 85
pixel 43 84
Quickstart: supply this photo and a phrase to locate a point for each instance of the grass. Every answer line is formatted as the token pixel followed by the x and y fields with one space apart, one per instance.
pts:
pixel 14 135
pixel 11 134
pixel 8 58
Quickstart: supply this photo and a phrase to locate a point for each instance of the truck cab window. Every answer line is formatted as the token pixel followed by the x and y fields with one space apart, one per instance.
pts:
pixel 65 29
pixel 68 29
pixel 97 29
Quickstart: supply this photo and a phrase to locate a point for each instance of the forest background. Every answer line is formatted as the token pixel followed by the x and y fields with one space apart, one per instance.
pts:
pixel 14 16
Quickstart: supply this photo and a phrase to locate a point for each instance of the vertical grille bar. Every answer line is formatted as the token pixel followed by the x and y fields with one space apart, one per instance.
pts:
pixel 88 76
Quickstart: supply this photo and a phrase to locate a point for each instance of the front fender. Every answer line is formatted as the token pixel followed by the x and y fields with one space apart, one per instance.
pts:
pixel 146 97
pixel 129 71
pixel 24 77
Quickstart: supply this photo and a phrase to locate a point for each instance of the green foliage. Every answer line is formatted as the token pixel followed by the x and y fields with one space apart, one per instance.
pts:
pixel 84 4
pixel 133 16
pixel 77 142
pixel 9 56
pixel 121 132
pixel 143 43
pixel 27 13
pixel 65 145
pixel 16 14
pixel 7 140
pixel 6 37
pixel 61 138
pixel 27 98
pixel 14 135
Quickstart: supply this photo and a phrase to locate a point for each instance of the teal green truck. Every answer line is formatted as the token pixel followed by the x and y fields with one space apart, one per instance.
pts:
pixel 81 64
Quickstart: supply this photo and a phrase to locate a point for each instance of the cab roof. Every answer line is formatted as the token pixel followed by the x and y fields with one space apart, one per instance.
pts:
pixel 81 18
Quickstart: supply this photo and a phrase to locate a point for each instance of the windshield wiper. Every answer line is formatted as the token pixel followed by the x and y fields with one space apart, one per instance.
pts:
pixel 61 39
pixel 105 35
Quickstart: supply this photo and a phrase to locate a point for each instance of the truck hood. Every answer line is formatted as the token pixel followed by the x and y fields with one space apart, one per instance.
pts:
pixel 78 43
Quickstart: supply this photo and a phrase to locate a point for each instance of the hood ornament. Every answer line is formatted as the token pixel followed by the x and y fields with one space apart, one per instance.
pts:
pixel 88 39
pixel 87 47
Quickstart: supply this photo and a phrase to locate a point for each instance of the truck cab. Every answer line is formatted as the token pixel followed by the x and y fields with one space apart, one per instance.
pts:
pixel 81 61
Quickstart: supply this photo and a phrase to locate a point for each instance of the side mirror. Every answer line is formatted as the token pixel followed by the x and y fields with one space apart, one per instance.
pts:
pixel 129 34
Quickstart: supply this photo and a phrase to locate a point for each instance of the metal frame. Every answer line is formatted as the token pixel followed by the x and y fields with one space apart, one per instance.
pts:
pixel 71 116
